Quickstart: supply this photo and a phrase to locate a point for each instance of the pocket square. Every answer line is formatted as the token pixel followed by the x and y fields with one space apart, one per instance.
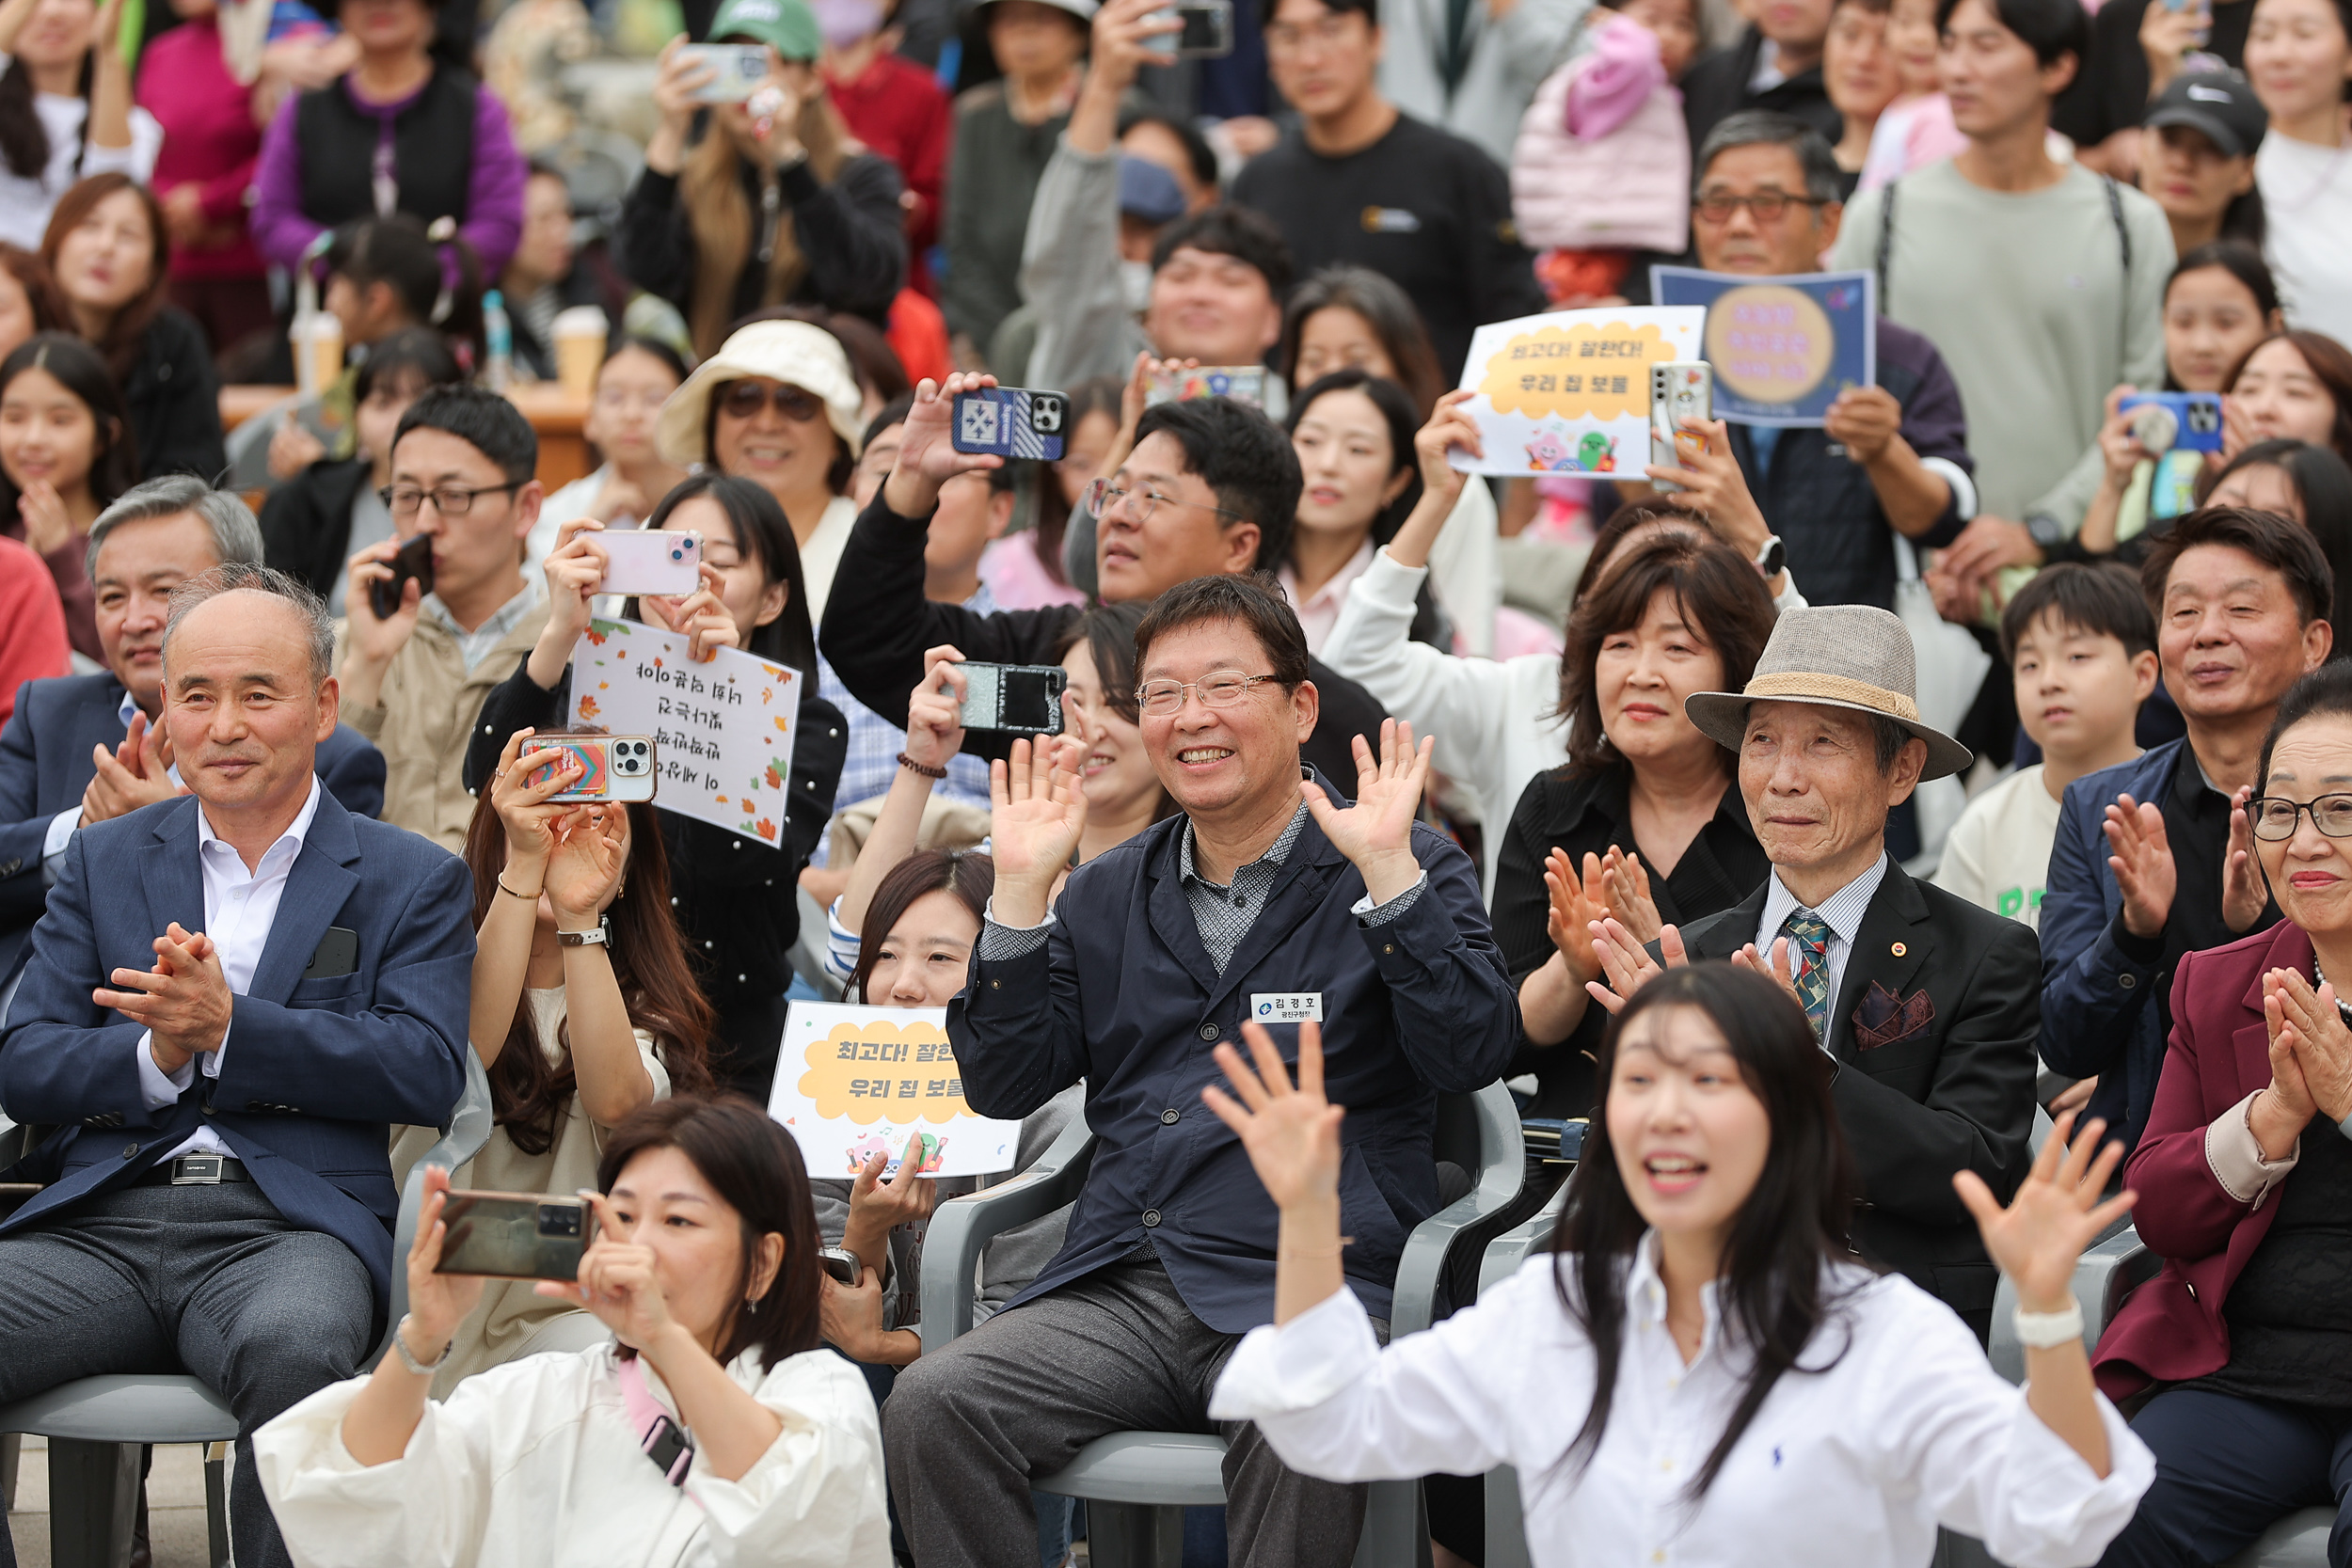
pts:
pixel 1884 1018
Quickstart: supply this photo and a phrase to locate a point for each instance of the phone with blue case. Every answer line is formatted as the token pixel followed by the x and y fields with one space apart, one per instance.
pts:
pixel 2162 421
pixel 1010 421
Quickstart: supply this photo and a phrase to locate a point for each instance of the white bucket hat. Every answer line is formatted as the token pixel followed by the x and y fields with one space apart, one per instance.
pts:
pixel 796 353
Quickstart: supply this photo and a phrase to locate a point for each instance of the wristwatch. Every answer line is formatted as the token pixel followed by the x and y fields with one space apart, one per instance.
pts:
pixel 1772 559
pixel 2045 530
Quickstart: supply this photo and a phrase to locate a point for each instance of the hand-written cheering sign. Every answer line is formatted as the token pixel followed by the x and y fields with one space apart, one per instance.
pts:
pixel 1568 392
pixel 722 730
pixel 852 1081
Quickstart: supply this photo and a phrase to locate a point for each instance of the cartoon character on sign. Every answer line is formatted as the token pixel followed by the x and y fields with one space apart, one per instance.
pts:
pixel 1597 453
pixel 1548 453
pixel 927 1149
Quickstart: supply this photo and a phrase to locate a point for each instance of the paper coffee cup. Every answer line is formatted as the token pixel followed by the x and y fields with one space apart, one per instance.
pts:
pixel 580 336
pixel 318 346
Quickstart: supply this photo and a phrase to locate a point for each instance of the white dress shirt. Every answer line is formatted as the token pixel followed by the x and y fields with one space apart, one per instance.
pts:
pixel 1903 1427
pixel 240 908
pixel 1841 911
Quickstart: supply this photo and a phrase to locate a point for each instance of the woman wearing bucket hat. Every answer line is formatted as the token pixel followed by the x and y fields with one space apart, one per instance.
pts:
pixel 1005 133
pixel 1929 1006
pixel 765 202
pixel 778 404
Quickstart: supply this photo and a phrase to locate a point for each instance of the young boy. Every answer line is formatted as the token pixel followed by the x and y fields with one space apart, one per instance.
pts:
pixel 2081 646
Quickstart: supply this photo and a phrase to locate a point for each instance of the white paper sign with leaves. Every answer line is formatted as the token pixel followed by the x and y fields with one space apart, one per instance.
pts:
pixel 722 729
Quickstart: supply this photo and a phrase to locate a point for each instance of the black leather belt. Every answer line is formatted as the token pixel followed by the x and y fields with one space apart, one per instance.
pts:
pixel 195 1170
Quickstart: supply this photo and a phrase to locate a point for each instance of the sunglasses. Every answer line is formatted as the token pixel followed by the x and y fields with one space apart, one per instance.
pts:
pixel 743 400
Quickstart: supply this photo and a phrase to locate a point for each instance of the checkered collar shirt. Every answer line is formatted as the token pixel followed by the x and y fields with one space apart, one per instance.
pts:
pixel 1841 911
pixel 1225 914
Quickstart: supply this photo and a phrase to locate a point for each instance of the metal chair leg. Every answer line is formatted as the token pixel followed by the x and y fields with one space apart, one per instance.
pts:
pixel 93 1494
pixel 1133 1535
pixel 216 1504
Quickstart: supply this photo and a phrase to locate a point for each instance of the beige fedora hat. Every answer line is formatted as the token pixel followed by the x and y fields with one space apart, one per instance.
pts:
pixel 1850 656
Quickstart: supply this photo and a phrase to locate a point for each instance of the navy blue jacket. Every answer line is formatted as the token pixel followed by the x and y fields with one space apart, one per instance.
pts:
pixel 1124 996
pixel 314 1072
pixel 2099 1012
pixel 46 765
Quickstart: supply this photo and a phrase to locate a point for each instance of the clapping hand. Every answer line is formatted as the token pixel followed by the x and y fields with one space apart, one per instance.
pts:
pixel 1629 899
pixel 438 1303
pixel 2057 1213
pixel 1035 814
pixel 135 773
pixel 2142 863
pixel 1376 833
pixel 1780 968
pixel 184 1002
pixel 2243 890
pixel 1626 967
pixel 2306 1024
pixel 1577 908
pixel 1292 1134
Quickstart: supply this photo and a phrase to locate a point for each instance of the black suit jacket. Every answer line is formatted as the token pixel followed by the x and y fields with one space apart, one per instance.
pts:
pixel 1949 1087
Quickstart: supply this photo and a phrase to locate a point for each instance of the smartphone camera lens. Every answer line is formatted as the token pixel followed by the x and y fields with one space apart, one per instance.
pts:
pixel 558 1220
pixel 676 553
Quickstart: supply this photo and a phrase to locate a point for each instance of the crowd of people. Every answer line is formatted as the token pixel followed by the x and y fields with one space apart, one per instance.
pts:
pixel 1651 794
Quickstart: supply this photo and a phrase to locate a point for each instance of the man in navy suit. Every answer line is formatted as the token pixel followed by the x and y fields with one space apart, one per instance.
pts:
pixel 83 749
pixel 231 999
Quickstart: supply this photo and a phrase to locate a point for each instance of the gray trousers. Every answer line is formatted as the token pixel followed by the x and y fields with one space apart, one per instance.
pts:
pixel 965 1429
pixel 211 1281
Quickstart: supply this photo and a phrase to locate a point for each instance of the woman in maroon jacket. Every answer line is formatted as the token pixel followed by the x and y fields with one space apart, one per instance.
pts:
pixel 2245 1187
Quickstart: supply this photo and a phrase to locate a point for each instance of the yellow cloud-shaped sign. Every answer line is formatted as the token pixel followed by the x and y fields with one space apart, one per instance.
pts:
pixel 1582 371
pixel 884 1071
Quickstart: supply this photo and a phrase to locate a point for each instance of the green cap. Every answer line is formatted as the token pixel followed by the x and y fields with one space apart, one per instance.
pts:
pixel 788 24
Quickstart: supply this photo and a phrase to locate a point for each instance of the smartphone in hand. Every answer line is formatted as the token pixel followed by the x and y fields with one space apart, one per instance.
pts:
pixel 612 767
pixel 514 1235
pixel 644 560
pixel 413 560
pixel 1023 698
pixel 1679 389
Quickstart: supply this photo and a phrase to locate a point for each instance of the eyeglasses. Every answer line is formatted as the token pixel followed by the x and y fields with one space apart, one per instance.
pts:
pixel 1767 206
pixel 743 400
pixel 449 500
pixel 1217 689
pixel 2275 816
pixel 1102 495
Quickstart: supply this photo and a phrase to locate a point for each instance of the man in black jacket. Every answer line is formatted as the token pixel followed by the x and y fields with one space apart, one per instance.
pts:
pixel 1927 1005
pixel 1776 64
pixel 1209 488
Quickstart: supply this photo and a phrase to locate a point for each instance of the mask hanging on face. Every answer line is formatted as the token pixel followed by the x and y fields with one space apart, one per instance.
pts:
pixel 845 21
pixel 1134 285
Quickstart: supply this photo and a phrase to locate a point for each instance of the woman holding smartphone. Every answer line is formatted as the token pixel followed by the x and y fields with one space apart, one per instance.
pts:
pixel 1710 1364
pixel 736 899
pixel 704 1268
pixel 584 1008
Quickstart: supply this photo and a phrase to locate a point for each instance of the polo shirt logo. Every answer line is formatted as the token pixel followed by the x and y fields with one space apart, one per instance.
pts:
pixel 1391 220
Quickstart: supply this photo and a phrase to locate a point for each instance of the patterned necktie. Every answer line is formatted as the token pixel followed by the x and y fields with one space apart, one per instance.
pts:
pixel 1808 954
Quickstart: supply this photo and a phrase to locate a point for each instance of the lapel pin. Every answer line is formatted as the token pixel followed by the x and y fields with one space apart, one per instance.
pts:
pixel 1901 950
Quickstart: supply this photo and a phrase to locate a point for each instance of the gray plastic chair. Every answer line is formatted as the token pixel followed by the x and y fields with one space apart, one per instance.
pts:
pixel 96 1425
pixel 1136 1483
pixel 1506 1532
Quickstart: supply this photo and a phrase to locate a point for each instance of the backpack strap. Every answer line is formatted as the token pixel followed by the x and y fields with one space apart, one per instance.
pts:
pixel 1886 240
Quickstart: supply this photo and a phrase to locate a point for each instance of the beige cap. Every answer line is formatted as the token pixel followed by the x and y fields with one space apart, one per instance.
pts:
pixel 796 353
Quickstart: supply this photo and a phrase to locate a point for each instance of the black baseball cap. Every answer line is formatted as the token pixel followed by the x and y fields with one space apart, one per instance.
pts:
pixel 2219 103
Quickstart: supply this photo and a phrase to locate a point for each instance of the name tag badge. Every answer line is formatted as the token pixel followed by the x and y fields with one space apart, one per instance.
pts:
pixel 1287 1007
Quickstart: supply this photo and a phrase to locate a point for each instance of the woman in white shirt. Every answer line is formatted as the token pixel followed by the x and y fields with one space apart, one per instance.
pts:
pixel 703 1267
pixel 584 1008
pixel 65 109
pixel 2297 53
pixel 1702 1373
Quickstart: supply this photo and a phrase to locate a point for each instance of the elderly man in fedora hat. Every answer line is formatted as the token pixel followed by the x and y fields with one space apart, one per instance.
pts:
pixel 1926 1005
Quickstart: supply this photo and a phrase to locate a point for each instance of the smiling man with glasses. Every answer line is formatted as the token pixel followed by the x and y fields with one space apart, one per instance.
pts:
pixel 461 466
pixel 1208 490
pixel 1268 899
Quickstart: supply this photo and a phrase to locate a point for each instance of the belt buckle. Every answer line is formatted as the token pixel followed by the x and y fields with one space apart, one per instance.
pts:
pixel 195 1170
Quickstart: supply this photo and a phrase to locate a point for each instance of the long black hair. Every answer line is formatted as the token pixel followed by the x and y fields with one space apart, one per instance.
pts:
pixel 23 139
pixel 1773 1293
pixel 114 459
pixel 761 533
pixel 1397 413
pixel 2235 255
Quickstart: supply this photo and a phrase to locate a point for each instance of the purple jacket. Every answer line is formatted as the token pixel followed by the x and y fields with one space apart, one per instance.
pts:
pixel 494 204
